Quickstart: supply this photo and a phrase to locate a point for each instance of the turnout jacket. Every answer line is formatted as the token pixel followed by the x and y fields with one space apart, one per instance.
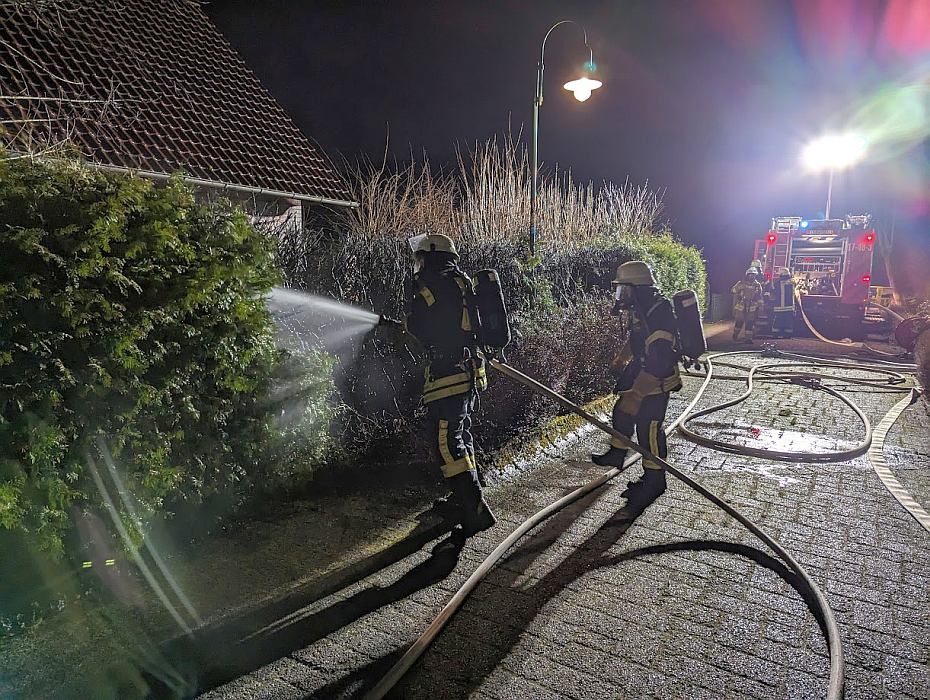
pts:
pixel 650 353
pixel 441 315
pixel 783 292
pixel 747 296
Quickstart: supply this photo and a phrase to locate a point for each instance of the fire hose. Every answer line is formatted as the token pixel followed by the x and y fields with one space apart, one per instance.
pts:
pixel 845 344
pixel 813 380
pixel 814 594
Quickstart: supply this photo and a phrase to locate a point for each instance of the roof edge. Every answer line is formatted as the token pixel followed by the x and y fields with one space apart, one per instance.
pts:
pixel 246 189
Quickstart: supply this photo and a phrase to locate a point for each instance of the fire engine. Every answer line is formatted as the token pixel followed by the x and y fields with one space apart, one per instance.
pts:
pixel 831 263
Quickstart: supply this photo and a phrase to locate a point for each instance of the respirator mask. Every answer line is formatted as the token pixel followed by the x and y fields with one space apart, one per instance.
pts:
pixel 623 297
pixel 414 243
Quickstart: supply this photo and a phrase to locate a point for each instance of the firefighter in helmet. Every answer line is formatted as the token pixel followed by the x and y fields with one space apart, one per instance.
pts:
pixel 758 274
pixel 783 312
pixel 747 298
pixel 441 315
pixel 650 372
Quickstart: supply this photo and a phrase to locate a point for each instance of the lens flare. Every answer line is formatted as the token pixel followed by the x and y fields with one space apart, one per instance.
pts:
pixel 834 152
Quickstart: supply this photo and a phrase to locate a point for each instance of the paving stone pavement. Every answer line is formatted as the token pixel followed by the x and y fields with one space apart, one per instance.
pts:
pixel 678 601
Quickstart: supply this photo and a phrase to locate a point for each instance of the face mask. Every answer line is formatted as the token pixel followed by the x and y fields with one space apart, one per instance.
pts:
pixel 624 296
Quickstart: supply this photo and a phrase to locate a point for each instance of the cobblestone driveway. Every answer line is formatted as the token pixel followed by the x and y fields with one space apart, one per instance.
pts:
pixel 678 601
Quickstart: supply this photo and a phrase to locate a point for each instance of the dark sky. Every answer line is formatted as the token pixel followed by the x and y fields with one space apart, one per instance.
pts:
pixel 710 100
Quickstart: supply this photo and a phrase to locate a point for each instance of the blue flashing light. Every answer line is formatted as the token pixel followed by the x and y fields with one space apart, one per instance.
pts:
pixel 805 224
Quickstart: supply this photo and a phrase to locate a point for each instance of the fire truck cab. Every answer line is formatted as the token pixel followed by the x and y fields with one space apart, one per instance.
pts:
pixel 831 264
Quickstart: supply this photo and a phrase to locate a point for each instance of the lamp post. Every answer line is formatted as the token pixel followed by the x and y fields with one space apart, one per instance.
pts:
pixel 582 88
pixel 833 152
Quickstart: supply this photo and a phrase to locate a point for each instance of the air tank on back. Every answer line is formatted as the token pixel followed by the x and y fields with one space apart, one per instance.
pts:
pixel 690 326
pixel 489 296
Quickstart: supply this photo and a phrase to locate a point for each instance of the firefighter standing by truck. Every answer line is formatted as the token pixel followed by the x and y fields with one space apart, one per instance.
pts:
pixel 784 305
pixel 442 315
pixel 650 372
pixel 747 298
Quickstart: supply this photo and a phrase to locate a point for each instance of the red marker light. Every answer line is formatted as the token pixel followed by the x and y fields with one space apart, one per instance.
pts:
pixel 870 238
pixel 771 238
pixel 866 279
pixel 768 275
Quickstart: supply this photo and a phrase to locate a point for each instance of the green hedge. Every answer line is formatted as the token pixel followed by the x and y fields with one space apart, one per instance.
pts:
pixel 560 309
pixel 133 313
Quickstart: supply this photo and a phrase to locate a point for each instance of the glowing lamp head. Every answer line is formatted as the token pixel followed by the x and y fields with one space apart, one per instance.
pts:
pixel 804 224
pixel 870 238
pixel 771 238
pixel 833 152
pixel 582 87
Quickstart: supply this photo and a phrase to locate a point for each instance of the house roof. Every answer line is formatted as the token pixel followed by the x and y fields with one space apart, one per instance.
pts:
pixel 152 86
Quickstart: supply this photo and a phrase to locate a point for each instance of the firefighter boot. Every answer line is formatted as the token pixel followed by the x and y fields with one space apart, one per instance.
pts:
pixel 614 457
pixel 475 515
pixel 647 488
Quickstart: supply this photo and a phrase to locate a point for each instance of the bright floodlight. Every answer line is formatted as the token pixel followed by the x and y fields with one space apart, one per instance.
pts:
pixel 834 152
pixel 582 87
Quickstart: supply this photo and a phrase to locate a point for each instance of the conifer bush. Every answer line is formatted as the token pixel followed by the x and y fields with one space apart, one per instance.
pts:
pixel 133 314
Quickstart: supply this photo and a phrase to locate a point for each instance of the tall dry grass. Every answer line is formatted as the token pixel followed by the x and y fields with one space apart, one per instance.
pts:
pixel 487 201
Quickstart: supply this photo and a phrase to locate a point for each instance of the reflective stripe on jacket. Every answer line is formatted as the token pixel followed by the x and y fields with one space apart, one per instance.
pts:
pixel 785 296
pixel 653 342
pixel 747 296
pixel 440 305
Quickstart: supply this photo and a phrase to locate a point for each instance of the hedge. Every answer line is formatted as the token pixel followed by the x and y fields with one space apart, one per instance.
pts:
pixel 560 306
pixel 133 314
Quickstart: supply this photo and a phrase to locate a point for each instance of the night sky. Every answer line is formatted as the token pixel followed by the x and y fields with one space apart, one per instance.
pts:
pixel 710 100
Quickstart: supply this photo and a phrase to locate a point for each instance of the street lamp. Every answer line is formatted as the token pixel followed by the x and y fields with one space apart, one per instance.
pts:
pixel 833 152
pixel 582 88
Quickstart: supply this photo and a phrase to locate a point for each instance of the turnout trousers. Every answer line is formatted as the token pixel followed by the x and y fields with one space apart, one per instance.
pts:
pixel 647 424
pixel 450 426
pixel 783 323
pixel 744 317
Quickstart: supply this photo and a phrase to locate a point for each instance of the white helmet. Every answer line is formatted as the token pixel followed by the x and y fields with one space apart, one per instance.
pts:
pixel 784 272
pixel 433 243
pixel 635 272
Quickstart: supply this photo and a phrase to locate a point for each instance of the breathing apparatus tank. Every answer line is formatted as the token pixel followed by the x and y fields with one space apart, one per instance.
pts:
pixel 691 338
pixel 494 329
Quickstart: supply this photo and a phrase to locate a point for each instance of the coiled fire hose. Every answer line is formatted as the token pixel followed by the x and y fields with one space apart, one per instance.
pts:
pixel 846 344
pixel 812 379
pixel 834 644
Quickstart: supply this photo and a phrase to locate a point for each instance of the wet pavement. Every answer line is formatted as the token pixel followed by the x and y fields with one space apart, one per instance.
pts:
pixel 676 601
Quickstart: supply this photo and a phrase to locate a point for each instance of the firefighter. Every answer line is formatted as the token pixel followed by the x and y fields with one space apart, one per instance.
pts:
pixel 756 267
pixel 650 372
pixel 747 298
pixel 441 315
pixel 783 311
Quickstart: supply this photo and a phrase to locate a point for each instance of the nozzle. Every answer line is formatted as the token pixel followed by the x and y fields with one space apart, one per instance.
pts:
pixel 390 322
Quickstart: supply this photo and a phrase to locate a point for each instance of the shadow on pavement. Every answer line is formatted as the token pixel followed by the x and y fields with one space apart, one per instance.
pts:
pixel 362 679
pixel 236 646
pixel 743 550
pixel 464 673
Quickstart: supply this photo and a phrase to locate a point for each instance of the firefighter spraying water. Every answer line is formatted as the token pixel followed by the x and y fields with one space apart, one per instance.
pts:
pixel 458 323
pixel 462 324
